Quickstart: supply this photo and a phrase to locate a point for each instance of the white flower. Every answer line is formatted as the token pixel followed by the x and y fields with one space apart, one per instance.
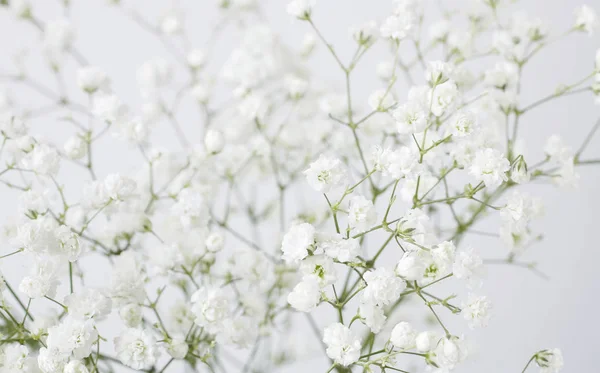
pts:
pixel 450 351
pixel 59 35
pixel 410 118
pixel 301 8
pixel 443 256
pixel 14 357
pixel 214 141
pixel 503 75
pixel 381 100
pixel 241 331
pixel 196 58
pixel 438 72
pixel 21 8
pixel 88 303
pixel 442 96
pixel 91 78
pixel 136 348
pixel 191 208
pixel 177 347
pixel 383 287
pixel 322 267
pixel 152 75
pixel 366 34
pixel 201 91
pixel 401 162
pixel 361 214
pixel 557 150
pixel 306 295
pixel 398 26
pixel 426 341
pixel 43 160
pixel 73 336
pixel 297 241
pixel 476 310
pixel 463 123
pixel 586 19
pixel 411 266
pixel 12 126
pixel 490 166
pixel 439 30
pixel 403 336
pixel 210 306
pixel 119 187
pixel 373 316
pixel 109 108
pixel 468 265
pixel 296 86
pixel 551 361
pixel 51 360
pixel 75 147
pixel 171 22
pixel 339 248
pixel 42 281
pixel 68 243
pixel 131 314
pixel 214 242
pixel 343 346
pixel 326 174
pixel 76 366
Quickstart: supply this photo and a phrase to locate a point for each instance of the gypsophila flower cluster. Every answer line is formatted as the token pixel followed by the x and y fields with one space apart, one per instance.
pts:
pixel 290 219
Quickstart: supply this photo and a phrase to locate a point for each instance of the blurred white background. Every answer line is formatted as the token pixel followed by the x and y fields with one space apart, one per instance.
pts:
pixel 530 313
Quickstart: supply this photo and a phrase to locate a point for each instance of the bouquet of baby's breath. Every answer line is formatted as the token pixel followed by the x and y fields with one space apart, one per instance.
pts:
pixel 295 208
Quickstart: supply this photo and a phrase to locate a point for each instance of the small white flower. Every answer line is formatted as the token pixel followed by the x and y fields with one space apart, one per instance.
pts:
pixel 75 147
pixel 403 336
pixel 426 341
pixel 381 100
pixel 450 351
pixel 88 303
pixel 398 26
pixel 136 348
pixel 442 96
pixel 131 314
pixel 109 108
pixel 361 214
pixel 468 265
pixel 326 174
pixel 306 295
pixel 196 58
pixel 91 78
pixel 320 266
pixel 476 310
pixel 297 241
pixel 343 346
pixel 586 19
pixel 214 141
pixel 373 316
pixel 76 366
pixel 410 118
pixel 463 123
pixel 177 348
pixel 551 361
pixel 214 242
pixel 366 34
pixel 490 166
pixel 210 306
pixel 339 248
pixel 383 287
pixel 301 9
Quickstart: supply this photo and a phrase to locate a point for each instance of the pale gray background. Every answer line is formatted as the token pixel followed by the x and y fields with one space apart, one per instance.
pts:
pixel 529 313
